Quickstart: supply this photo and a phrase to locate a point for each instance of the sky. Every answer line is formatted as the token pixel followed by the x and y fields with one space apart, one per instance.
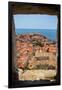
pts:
pixel 35 21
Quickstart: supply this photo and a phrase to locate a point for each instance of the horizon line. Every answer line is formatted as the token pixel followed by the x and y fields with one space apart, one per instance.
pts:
pixel 33 28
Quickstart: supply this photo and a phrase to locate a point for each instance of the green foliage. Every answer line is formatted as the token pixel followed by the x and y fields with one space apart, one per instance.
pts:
pixel 36 42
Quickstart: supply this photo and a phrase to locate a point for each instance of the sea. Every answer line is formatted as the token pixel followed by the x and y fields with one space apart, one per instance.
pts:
pixel 51 34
